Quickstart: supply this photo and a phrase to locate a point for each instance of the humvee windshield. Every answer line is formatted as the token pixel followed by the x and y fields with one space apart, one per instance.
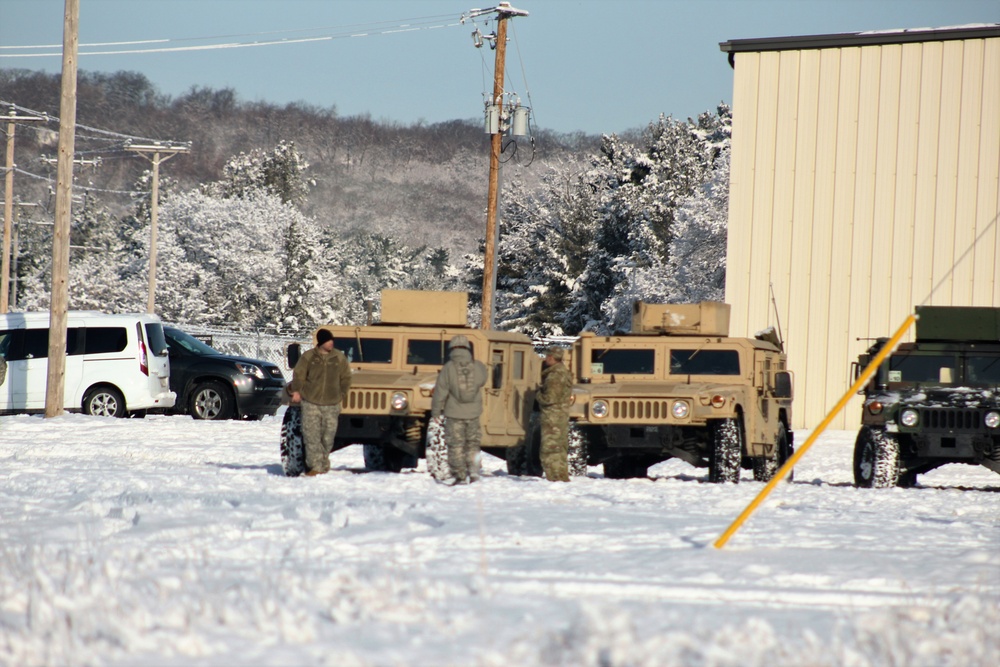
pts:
pixel 636 362
pixel 704 362
pixel 431 352
pixel 983 370
pixel 922 368
pixel 371 351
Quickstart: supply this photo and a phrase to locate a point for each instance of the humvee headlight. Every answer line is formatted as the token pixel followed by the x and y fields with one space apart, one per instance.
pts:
pixel 875 407
pixel 992 419
pixel 399 401
pixel 718 401
pixel 909 417
pixel 599 409
pixel 680 409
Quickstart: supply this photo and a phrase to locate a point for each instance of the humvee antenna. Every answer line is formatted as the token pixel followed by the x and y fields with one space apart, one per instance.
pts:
pixel 774 303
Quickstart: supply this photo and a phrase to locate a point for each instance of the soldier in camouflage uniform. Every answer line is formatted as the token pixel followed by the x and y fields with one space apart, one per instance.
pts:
pixel 458 396
pixel 321 380
pixel 554 399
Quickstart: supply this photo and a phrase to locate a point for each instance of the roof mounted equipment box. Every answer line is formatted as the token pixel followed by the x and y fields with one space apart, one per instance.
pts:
pixel 708 318
pixel 418 307
pixel 958 323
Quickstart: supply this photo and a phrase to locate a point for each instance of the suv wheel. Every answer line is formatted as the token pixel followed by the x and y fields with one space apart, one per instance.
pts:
pixel 876 459
pixel 211 400
pixel 727 451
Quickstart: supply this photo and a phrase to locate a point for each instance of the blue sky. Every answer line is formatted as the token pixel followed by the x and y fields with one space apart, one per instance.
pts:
pixel 582 65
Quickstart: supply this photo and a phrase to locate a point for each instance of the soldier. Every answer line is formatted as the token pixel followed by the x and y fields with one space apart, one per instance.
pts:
pixel 458 396
pixel 320 381
pixel 554 399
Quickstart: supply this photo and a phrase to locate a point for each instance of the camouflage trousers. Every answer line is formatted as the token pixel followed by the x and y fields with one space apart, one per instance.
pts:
pixel 463 438
pixel 555 444
pixel 319 428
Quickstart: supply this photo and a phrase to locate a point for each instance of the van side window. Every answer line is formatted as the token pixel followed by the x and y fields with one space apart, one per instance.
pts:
pixel 7 343
pixel 35 344
pixel 102 340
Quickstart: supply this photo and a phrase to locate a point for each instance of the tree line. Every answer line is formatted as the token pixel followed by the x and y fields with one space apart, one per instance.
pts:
pixel 285 217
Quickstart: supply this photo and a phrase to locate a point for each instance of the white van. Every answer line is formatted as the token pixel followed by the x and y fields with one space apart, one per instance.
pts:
pixel 116 365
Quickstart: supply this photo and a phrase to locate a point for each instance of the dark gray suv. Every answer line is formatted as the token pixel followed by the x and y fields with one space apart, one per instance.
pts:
pixel 213 385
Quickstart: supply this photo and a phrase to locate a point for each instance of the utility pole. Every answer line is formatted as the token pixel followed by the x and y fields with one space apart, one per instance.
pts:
pixel 156 149
pixel 59 299
pixel 8 203
pixel 503 11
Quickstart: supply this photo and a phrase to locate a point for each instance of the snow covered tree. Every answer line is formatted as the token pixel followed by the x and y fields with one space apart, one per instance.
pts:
pixel 280 173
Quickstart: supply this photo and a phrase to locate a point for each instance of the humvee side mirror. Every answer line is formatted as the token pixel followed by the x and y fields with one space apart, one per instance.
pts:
pixel 782 384
pixel 292 353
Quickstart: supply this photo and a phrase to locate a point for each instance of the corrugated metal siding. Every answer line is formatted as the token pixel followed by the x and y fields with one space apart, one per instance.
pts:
pixel 864 178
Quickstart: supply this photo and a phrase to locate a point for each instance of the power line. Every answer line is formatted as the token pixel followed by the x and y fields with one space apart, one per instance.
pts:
pixel 342 32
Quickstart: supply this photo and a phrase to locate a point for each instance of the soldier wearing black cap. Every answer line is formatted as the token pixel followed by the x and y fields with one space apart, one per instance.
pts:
pixel 321 380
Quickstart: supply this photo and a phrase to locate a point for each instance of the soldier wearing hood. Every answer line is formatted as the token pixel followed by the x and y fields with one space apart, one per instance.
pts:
pixel 458 396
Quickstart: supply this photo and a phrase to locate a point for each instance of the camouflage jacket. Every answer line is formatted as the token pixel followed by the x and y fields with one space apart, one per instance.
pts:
pixel 557 387
pixel 322 379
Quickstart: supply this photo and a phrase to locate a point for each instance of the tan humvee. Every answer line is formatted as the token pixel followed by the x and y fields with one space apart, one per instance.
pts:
pixel 679 387
pixel 394 366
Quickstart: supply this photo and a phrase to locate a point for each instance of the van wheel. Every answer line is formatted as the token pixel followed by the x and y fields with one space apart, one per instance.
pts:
pixel 104 402
pixel 211 400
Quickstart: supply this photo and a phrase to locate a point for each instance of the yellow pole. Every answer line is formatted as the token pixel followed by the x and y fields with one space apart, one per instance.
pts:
pixel 790 463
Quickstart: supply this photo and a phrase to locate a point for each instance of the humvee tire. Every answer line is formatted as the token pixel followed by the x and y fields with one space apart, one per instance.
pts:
pixel 293 451
pixel 437 451
pixel 764 469
pixel 386 458
pixel 726 452
pixel 876 459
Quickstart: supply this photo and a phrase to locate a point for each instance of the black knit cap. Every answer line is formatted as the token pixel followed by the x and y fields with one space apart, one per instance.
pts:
pixel 323 335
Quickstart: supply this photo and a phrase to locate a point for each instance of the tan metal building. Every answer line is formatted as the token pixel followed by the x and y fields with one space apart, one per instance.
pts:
pixel 864 182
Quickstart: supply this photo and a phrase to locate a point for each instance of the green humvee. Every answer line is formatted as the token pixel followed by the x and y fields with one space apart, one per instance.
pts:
pixel 933 401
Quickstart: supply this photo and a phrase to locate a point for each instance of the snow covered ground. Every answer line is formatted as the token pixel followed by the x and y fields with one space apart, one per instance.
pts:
pixel 165 541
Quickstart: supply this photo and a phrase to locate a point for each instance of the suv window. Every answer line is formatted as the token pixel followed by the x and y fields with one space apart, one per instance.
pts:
pixel 704 362
pixel 372 350
pixel 636 362
pixel 186 341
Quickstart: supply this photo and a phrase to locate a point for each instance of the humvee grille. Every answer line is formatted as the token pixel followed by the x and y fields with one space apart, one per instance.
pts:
pixel 639 410
pixel 367 400
pixel 950 419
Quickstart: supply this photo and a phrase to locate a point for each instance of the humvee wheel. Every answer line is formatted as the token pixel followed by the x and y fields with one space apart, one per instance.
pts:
pixel 876 459
pixel 577 452
pixel 764 468
pixel 386 458
pixel 436 450
pixel 293 453
pixel 727 451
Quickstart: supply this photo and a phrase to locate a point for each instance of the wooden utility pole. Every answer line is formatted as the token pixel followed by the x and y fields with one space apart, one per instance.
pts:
pixel 503 11
pixel 56 379
pixel 156 150
pixel 8 204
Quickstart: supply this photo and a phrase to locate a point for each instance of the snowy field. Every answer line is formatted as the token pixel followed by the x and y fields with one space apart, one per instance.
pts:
pixel 165 541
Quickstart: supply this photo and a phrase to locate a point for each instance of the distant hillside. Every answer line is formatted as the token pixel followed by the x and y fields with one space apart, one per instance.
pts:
pixel 426 183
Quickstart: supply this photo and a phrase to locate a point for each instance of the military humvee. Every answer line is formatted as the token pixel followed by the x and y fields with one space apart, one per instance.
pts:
pixel 933 401
pixel 679 387
pixel 394 366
